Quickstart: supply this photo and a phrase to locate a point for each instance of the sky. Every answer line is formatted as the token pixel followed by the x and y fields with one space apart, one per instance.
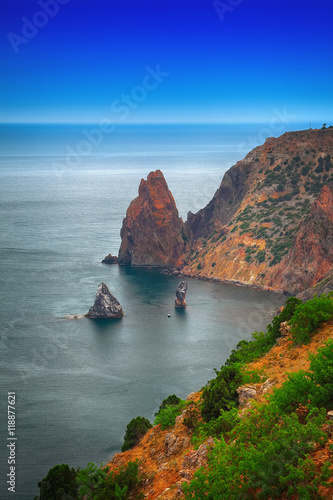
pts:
pixel 166 61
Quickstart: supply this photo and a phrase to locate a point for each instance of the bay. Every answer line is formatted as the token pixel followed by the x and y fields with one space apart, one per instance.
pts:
pixel 79 382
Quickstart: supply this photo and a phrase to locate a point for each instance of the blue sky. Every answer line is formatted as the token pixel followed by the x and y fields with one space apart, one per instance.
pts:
pixel 166 60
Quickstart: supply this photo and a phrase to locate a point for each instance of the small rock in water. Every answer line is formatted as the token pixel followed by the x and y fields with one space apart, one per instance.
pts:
pixel 105 305
pixel 110 259
pixel 181 294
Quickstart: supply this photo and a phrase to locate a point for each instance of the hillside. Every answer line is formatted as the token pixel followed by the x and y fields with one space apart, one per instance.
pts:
pixel 265 203
pixel 167 459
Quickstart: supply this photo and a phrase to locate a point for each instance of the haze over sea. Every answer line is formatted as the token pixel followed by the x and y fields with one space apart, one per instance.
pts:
pixel 79 382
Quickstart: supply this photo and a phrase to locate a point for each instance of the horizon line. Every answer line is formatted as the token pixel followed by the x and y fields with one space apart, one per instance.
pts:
pixel 157 123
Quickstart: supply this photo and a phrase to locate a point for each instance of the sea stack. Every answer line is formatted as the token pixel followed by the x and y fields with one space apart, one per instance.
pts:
pixel 153 234
pixel 105 305
pixel 181 294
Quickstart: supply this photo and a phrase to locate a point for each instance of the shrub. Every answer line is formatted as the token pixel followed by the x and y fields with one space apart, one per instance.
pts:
pixel 167 416
pixel 268 458
pixel 295 391
pixel 220 393
pixel 309 315
pixel 313 388
pixel 135 430
pixel 97 484
pixel 322 376
pixel 247 351
pixel 59 483
pixel 261 256
pixel 171 400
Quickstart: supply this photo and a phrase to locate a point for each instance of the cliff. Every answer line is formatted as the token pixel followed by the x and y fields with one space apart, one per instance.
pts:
pixel 266 206
pixel 152 234
pixel 311 255
pixel 269 223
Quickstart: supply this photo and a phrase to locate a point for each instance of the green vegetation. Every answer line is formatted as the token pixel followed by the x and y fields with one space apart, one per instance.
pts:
pixel 92 483
pixel 171 400
pixel 220 393
pixel 268 459
pixel 309 316
pixel 269 456
pixel 59 483
pixel 98 484
pixel 135 430
pixel 247 351
pixel 170 408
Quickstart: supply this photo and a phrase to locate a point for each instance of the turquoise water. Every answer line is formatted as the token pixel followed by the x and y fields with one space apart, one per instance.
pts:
pixel 79 382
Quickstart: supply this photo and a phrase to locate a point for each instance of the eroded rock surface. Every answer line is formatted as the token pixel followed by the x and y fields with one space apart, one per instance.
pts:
pixel 181 294
pixel 105 305
pixel 153 234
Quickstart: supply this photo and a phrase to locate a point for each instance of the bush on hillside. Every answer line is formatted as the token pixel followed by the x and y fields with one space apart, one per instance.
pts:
pixel 171 400
pixel 167 416
pixel 60 482
pixel 313 388
pixel 247 351
pixel 220 393
pixel 309 315
pixel 135 430
pixel 268 458
pixel 98 483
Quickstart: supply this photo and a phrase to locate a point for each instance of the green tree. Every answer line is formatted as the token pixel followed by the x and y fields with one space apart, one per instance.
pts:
pixel 220 393
pixel 59 484
pixel 135 430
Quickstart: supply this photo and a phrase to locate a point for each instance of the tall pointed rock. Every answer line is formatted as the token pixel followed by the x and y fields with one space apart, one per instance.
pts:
pixel 152 234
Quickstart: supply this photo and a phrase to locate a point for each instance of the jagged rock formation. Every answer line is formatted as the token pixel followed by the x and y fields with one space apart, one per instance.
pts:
pixel 311 255
pixel 246 232
pixel 110 259
pixel 153 234
pixel 181 294
pixel 105 305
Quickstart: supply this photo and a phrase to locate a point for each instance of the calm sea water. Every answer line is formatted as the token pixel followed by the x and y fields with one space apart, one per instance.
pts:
pixel 79 382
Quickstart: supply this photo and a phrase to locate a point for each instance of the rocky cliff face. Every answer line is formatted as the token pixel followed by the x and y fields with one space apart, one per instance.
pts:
pixel 153 234
pixel 311 255
pixel 246 233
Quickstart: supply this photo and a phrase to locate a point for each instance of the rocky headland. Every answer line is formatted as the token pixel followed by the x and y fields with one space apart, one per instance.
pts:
pixel 269 224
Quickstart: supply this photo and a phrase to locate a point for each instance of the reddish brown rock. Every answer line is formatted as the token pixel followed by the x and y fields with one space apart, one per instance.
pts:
pixel 110 259
pixel 246 233
pixel 311 255
pixel 152 234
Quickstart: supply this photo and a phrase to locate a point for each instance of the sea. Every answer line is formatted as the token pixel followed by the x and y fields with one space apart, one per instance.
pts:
pixel 64 191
